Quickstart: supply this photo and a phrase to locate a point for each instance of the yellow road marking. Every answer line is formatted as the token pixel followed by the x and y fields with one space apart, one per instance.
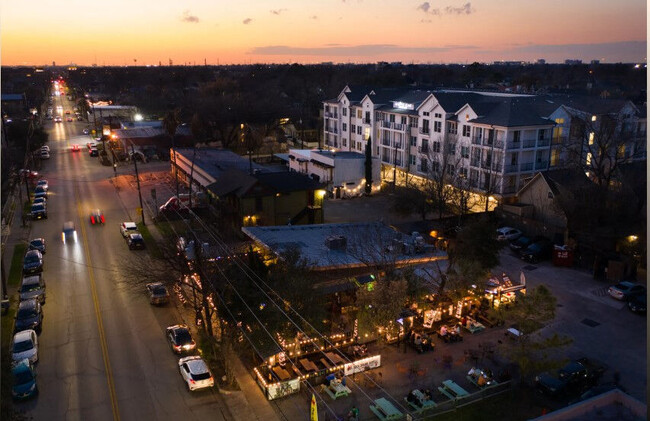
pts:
pixel 100 325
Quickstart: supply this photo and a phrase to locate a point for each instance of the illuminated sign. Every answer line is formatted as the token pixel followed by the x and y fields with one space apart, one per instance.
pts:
pixel 402 105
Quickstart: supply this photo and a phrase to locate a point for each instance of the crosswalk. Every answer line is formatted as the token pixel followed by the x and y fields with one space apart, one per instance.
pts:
pixel 600 292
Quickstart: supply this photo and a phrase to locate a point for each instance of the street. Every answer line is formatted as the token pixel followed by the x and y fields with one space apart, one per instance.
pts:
pixel 103 351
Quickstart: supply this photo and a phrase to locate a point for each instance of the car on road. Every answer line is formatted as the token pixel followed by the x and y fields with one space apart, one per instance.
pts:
pixel 127 228
pixel 135 241
pixel 38 211
pixel 24 380
pixel 180 339
pixel 96 217
pixel 93 151
pixel 32 286
pixel 538 251
pixel 195 373
pixel 638 304
pixel 25 345
pixel 68 233
pixel 58 119
pixel 75 148
pixel 86 131
pixel 37 244
pixel 45 155
pixel 158 293
pixel 626 290
pixel 69 119
pixel 508 234
pixel 29 316
pixel 27 173
pixel 43 183
pixel 33 262
pixel 79 118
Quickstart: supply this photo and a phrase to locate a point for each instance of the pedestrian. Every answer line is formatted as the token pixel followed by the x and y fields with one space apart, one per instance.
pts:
pixel 353 415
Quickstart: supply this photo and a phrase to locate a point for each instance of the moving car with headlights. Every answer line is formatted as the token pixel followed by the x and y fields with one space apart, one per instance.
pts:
pixel 69 233
pixel 29 316
pixel 158 293
pixel 37 244
pixel 127 228
pixel 32 262
pixel 195 373
pixel 25 345
pixel 625 290
pixel 96 217
pixel 180 339
pixel 38 211
pixel 75 148
pixel 24 384
pixel 135 241
pixel 32 286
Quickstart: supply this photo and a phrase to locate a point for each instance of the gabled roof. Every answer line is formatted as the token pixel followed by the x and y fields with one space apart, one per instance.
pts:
pixel 241 184
pixel 566 178
pixel 511 112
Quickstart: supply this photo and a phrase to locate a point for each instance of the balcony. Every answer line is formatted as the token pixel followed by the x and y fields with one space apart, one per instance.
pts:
pixel 385 159
pixel 331 115
pixel 474 163
pixel 476 140
pixel 497 144
pixel 514 145
pixel 511 168
pixel 485 165
pixel 526 167
pixel 529 143
pixel 385 141
pixel 423 149
pixel 423 168
pixel 398 145
pixel 424 131
pixel 542 165
pixel 543 142
pixel 366 121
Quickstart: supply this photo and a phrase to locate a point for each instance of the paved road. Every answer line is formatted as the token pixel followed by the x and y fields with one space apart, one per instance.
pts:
pixel 103 352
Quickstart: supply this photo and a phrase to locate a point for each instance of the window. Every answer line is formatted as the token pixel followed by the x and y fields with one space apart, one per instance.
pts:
pixel 414 140
pixel 452 149
pixel 516 136
pixel 437 115
pixel 466 130
pixel 450 169
pixel 588 158
pixel 345 111
pixel 462 172
pixel 359 116
pixel 425 126
pixel 621 152
pixel 464 151
pixel 345 142
pixel 412 159
pixel 435 166
pixel 559 120
pixel 392 118
pixel 437 126
pixel 555 157
pixel 359 129
pixel 436 147
pixel 345 127
pixel 591 138
pixel 541 134
pixel 425 113
pixel 403 119
pixel 353 128
pixel 424 165
pixel 367 116
pixel 452 128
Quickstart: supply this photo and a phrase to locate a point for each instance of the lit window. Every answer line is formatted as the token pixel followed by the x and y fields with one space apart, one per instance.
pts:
pixel 593 118
pixel 588 158
pixel 591 138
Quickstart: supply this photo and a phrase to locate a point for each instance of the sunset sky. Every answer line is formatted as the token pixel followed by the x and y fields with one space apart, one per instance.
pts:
pixel 149 32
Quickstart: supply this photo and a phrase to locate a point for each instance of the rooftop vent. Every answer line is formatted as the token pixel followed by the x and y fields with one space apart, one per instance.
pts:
pixel 336 242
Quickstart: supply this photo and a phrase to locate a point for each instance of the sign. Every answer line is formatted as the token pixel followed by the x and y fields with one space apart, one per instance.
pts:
pixel 428 319
pixel 314 410
pixel 362 365
pixel 282 389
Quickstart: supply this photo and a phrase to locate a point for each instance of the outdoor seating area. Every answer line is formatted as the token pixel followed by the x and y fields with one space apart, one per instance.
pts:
pixel 452 390
pixel 420 401
pixel 335 387
pixel 473 326
pixel 480 378
pixel 385 411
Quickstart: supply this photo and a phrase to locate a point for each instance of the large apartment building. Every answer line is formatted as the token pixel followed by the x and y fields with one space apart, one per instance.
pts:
pixel 495 142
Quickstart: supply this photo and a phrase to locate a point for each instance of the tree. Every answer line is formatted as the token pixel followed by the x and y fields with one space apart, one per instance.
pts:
pixel 530 313
pixel 442 171
pixel 368 166
pixel 380 305
pixel 170 124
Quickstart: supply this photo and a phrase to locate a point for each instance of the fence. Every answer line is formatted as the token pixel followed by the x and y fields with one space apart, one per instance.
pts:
pixel 454 404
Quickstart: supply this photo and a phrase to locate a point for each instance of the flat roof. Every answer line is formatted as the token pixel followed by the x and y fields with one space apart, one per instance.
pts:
pixel 367 244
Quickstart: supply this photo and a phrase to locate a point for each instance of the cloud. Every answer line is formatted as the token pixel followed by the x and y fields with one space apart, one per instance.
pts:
pixel 425 7
pixel 189 18
pixel 278 11
pixel 348 50
pixel 313 17
pixel 247 21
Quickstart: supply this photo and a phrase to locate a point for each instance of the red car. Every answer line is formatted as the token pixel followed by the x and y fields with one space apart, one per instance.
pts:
pixel 75 148
pixel 96 217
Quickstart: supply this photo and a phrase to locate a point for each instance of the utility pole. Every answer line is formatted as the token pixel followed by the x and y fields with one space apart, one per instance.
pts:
pixel 137 179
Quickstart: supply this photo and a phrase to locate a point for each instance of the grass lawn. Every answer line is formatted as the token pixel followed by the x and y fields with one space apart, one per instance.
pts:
pixel 152 245
pixel 16 269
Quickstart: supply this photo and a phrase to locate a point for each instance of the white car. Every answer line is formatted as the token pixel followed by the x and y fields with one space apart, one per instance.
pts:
pixel 195 373
pixel 45 148
pixel 127 228
pixel 25 345
pixel 45 155
pixel 508 233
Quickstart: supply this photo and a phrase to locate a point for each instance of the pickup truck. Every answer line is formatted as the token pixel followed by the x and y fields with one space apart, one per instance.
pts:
pixel 571 379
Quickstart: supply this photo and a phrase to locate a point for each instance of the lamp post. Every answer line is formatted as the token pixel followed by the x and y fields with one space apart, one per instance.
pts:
pixel 137 179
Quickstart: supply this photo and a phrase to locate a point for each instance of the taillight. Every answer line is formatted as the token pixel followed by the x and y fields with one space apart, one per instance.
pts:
pixel 102 217
pixel 192 381
pixel 92 220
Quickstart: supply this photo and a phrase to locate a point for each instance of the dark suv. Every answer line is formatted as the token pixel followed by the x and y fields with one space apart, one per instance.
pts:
pixel 29 316
pixel 540 250
pixel 33 262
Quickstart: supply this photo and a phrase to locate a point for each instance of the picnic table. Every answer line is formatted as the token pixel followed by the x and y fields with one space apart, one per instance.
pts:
pixel 334 358
pixel 385 411
pixel 336 389
pixel 281 373
pixel 473 326
pixel 475 374
pixel 422 400
pixel 308 365
pixel 452 390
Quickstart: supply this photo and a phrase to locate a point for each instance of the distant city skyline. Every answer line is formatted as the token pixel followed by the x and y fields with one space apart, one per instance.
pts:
pixel 148 32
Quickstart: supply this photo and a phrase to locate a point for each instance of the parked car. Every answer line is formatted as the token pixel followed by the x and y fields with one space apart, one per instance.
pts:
pixel 24 380
pixel 42 200
pixel 68 233
pixel 45 148
pixel 40 191
pixel 33 262
pixel 572 379
pixel 29 316
pixel 638 304
pixel 135 241
pixel 43 183
pixel 32 286
pixel 37 244
pixel 127 228
pixel 626 290
pixel 96 217
pixel 180 339
pixel 537 251
pixel 93 151
pixel 86 131
pixel 25 345
pixel 38 211
pixel 195 373
pixel 158 293
pixel 45 155
pixel 508 233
